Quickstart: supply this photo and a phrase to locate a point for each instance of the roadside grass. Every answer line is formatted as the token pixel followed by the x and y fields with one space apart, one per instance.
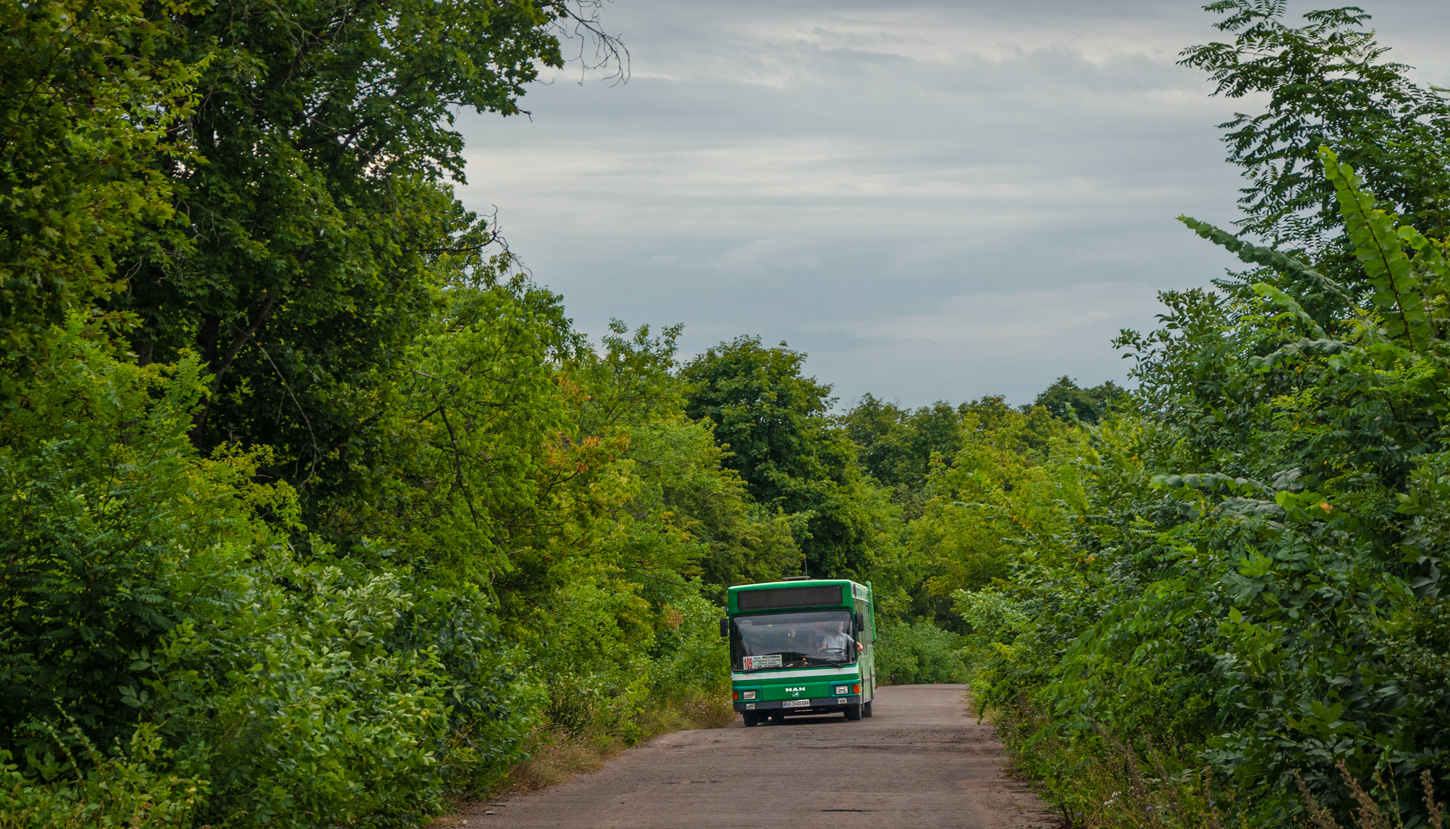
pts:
pixel 559 754
pixel 1095 781
pixel 1368 814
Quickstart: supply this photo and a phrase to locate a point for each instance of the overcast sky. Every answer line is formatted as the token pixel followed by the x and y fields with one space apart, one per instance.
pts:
pixel 934 200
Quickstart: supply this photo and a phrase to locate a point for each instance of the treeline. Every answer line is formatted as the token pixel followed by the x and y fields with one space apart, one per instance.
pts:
pixel 312 511
pixel 1233 612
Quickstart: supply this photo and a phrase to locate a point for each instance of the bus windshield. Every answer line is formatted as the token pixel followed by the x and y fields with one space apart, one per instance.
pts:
pixel 791 640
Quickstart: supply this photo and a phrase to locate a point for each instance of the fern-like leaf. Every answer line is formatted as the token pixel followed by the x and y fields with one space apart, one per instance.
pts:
pixel 1377 247
pixel 1429 261
pixel 1267 257
pixel 1296 350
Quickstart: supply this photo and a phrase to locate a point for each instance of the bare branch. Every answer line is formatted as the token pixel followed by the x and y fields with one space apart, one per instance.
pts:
pixel 579 21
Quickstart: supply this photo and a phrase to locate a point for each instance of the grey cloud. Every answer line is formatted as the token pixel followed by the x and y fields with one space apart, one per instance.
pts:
pixel 936 201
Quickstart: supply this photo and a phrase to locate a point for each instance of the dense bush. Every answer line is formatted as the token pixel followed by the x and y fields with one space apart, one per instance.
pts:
pixel 88 789
pixel 913 653
pixel 1256 579
pixel 193 663
pixel 107 517
pixel 1243 618
pixel 690 658
pixel 299 708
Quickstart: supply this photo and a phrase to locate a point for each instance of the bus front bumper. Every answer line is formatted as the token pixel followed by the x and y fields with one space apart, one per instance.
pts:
pixel 821 705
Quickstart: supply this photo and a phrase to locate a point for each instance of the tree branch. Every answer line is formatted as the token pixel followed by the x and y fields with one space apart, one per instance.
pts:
pixel 198 431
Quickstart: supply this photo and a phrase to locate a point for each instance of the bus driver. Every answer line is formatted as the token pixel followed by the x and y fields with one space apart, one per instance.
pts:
pixel 838 640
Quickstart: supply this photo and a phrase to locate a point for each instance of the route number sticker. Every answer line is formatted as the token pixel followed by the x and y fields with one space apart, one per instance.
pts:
pixel 768 661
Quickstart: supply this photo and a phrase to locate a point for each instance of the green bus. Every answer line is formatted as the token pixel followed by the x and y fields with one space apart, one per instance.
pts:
pixel 801 646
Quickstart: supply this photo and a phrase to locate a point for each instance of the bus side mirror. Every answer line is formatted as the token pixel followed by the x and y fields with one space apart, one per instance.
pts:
pixel 860 622
pixel 725 628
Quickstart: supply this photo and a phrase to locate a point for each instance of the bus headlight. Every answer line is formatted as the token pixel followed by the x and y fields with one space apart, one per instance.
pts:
pixel 747 695
pixel 843 689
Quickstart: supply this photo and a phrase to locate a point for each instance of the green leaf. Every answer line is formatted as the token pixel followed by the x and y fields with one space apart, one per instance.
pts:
pixel 1267 257
pixel 1296 349
pixel 1377 247
pixel 1256 567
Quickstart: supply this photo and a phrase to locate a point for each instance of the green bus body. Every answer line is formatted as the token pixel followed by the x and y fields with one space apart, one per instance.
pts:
pixel 787 651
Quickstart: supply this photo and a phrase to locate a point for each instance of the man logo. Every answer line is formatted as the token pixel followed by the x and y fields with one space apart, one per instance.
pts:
pixel 796 690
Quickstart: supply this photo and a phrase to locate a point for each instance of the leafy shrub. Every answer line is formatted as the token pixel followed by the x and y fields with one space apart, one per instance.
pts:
pixel 990 615
pixel 130 789
pixel 590 648
pixel 918 653
pixel 494 699
pixel 690 659
pixel 297 707
pixel 1258 578
pixel 108 512
pixel 143 596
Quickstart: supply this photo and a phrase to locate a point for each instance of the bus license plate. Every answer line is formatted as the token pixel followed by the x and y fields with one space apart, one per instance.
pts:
pixel 796 703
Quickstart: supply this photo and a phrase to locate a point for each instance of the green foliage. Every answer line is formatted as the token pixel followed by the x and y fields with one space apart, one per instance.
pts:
pixel 723 536
pixel 773 422
pixel 1256 578
pixel 918 653
pixel 107 505
pixel 496 530
pixel 1326 85
pixel 475 430
pixel 145 598
pixel 297 705
pixel 769 415
pixel 1377 246
pixel 689 656
pixel 990 616
pixel 706 522
pixel 589 652
pixel 897 446
pixel 1267 257
pixel 122 791
pixel 76 181
pixel 609 656
pixel 319 231
pixel 1064 399
pixel 1004 498
pixel 354 520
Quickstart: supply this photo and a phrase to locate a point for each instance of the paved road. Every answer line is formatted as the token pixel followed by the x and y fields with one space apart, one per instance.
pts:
pixel 922 760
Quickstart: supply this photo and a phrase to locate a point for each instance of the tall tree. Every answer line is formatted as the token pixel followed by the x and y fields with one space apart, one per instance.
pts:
pixel 769 414
pixel 1087 405
pixel 773 421
pixel 1326 84
pixel 896 446
pixel 87 100
pixel 319 227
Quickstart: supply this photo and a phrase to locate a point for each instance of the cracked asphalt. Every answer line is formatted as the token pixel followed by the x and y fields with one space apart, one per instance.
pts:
pixel 921 761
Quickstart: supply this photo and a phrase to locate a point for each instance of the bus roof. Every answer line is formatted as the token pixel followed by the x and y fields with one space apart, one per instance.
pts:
pixel 796 594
